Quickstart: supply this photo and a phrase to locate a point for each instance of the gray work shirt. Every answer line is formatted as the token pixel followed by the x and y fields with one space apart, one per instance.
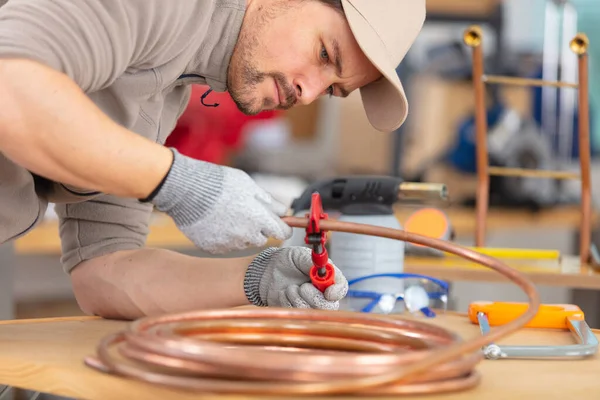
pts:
pixel 135 60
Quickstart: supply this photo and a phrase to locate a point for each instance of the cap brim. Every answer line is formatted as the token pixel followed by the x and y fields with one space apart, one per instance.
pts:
pixel 384 100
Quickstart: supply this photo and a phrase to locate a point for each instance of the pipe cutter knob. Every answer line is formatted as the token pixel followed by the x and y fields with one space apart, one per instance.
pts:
pixel 322 281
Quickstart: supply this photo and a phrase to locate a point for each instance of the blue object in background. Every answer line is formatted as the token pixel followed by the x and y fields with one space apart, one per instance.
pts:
pixel 462 156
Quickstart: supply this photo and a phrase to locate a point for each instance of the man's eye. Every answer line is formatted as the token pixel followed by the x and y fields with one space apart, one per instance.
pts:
pixel 324 54
pixel 330 90
pixel 325 57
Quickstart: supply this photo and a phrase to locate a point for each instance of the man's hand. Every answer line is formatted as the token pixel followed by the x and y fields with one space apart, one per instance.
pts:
pixel 278 277
pixel 219 208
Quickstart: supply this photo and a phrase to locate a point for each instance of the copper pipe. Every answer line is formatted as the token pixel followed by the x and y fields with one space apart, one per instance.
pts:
pixel 518 81
pixel 579 46
pixel 473 38
pixel 535 173
pixel 320 352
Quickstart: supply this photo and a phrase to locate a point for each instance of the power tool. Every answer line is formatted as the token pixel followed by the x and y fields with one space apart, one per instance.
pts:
pixel 367 194
pixel 366 199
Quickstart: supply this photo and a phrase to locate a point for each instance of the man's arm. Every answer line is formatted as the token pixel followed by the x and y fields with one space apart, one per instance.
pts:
pixel 50 127
pixel 134 283
pixel 51 53
pixel 114 276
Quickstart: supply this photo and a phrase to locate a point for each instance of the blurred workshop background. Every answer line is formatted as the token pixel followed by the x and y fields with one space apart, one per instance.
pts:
pixel 286 151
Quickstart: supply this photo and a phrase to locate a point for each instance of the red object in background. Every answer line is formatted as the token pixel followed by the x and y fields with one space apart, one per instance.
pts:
pixel 212 133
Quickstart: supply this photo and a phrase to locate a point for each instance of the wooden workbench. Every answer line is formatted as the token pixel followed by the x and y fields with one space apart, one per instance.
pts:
pixel 46 356
pixel 565 273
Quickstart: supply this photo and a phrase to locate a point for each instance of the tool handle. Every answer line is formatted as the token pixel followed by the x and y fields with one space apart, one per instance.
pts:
pixel 320 260
pixel 322 282
pixel 548 316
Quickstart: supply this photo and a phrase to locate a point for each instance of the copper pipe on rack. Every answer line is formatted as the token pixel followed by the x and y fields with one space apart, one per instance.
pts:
pixel 534 173
pixel 511 80
pixel 319 352
pixel 473 37
pixel 579 45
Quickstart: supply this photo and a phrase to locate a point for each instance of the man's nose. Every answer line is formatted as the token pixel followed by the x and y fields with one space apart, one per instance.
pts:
pixel 309 89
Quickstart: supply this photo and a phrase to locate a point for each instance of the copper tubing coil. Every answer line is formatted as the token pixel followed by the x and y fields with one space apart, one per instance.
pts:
pixel 276 351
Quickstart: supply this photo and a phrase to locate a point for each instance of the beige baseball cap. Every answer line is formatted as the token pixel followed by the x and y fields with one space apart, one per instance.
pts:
pixel 385 30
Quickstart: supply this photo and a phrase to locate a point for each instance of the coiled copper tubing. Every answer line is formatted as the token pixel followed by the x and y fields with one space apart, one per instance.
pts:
pixel 275 351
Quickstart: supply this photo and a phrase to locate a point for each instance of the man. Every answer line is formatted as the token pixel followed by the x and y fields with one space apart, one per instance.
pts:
pixel 92 88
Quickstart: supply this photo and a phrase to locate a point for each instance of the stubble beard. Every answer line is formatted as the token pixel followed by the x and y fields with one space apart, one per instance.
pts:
pixel 243 76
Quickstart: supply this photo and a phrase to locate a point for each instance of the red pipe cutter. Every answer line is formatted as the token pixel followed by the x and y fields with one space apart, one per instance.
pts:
pixel 322 274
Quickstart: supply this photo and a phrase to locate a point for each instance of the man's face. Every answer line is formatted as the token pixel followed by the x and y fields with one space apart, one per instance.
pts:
pixel 291 52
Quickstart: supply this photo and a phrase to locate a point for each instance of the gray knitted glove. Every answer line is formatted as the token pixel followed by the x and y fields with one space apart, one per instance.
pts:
pixel 278 277
pixel 219 208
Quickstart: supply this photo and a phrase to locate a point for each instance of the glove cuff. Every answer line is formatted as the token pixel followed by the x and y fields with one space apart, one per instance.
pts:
pixel 255 273
pixel 186 174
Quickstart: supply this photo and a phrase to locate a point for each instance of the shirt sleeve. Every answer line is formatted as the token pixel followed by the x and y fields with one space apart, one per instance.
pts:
pixel 100 226
pixel 94 41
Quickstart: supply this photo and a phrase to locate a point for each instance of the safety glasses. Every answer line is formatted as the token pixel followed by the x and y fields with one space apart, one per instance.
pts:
pixel 417 294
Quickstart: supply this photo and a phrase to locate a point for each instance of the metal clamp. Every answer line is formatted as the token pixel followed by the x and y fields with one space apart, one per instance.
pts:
pixel 550 317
